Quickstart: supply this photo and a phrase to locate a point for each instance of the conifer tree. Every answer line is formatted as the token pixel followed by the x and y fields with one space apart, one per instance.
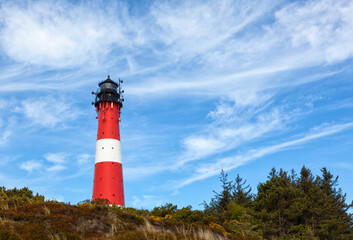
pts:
pixel 311 202
pixel 274 203
pixel 287 206
pixel 334 222
pixel 241 194
pixel 221 199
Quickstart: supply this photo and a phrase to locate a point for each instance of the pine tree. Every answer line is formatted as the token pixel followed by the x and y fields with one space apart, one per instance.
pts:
pixel 303 207
pixel 221 199
pixel 240 194
pixel 334 222
pixel 274 203
pixel 309 205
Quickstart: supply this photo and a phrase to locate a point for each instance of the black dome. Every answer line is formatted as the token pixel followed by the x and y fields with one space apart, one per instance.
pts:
pixel 109 91
pixel 108 80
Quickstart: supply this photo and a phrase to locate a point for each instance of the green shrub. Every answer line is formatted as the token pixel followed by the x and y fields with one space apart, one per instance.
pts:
pixel 163 210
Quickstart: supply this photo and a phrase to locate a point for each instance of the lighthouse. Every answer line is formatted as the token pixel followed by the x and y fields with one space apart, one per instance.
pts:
pixel 108 171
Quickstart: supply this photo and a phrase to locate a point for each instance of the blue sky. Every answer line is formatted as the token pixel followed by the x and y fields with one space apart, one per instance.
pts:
pixel 242 86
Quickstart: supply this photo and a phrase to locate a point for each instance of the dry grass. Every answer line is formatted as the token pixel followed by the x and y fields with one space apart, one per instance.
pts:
pixel 56 236
pixel 148 227
pixel 4 205
pixel 206 234
pixel 5 221
pixel 199 234
pixel 115 224
pixel 58 221
pixel 46 211
pixel 150 231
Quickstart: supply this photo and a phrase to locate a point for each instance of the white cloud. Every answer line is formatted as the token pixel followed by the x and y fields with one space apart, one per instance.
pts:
pixel 231 127
pixel 6 159
pixel 229 163
pixel 56 168
pixel 324 26
pixel 84 163
pixel 84 159
pixel 240 46
pixel 48 111
pixel 5 129
pixel 202 146
pixel 5 137
pixel 60 34
pixel 31 165
pixel 197 28
pixel 243 65
pixel 56 158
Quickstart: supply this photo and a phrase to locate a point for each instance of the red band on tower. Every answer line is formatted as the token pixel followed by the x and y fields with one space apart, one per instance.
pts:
pixel 108 121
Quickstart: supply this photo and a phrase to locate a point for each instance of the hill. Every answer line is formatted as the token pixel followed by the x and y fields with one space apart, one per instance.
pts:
pixel 24 216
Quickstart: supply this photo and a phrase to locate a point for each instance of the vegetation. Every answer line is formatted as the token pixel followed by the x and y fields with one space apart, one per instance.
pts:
pixel 25 216
pixel 286 206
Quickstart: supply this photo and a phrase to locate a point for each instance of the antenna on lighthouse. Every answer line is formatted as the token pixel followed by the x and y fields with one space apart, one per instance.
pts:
pixel 108 174
pixel 120 90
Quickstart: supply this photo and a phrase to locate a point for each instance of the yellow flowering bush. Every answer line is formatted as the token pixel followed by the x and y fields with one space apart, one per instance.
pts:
pixel 215 226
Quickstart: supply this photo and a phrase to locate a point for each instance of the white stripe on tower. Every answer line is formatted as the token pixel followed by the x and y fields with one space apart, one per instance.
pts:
pixel 108 150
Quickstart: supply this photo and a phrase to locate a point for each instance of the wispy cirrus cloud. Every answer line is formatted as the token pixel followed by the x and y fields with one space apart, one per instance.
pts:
pixel 324 28
pixel 31 165
pixel 53 162
pixel 203 171
pixel 299 36
pixel 229 163
pixel 4 136
pixel 230 41
pixel 47 111
pixel 56 158
pixel 294 40
pixel 193 30
pixel 56 168
pixel 60 34
pixel 232 126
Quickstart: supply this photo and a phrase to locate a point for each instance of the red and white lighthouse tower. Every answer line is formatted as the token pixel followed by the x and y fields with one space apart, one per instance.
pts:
pixel 108 173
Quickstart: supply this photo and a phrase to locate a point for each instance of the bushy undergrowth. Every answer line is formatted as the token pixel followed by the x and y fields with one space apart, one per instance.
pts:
pixel 25 216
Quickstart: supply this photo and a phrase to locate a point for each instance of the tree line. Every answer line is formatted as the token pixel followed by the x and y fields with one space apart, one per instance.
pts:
pixel 287 206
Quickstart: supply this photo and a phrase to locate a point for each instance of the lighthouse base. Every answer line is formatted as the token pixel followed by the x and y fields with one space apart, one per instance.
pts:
pixel 108 182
